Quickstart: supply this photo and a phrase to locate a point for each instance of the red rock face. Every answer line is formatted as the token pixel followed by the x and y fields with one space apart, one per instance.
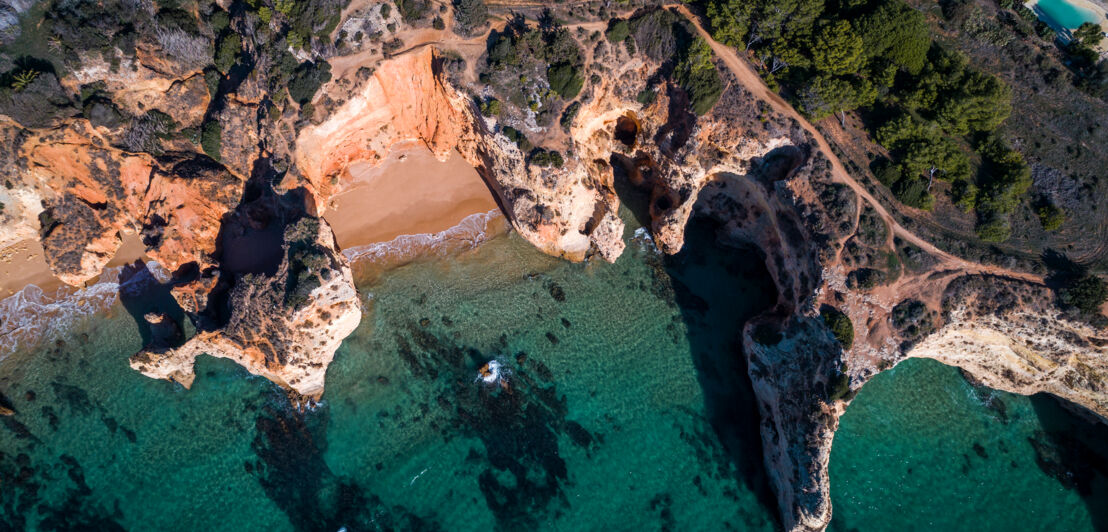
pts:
pixel 100 191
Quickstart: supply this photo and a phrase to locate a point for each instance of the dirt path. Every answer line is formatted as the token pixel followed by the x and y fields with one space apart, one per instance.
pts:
pixel 753 83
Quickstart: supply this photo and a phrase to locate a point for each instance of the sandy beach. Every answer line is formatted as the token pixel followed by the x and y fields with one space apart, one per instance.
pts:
pixel 22 264
pixel 409 193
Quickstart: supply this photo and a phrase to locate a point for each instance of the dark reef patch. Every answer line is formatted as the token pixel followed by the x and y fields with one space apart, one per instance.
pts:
pixel 292 472
pixel 519 427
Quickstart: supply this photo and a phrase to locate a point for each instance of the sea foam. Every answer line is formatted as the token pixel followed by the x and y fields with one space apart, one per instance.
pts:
pixel 472 231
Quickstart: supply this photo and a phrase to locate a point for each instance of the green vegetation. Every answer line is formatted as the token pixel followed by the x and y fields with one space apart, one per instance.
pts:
pixel 309 263
pixel 668 38
pixel 534 69
pixel 840 385
pixel 413 10
pixel 840 325
pixel 517 137
pixel 1087 294
pixel 1051 216
pixel 766 334
pixel 470 16
pixel 490 107
pixel 307 79
pixel 23 78
pixel 924 103
pixel 697 75
pixel 547 158
pixel 211 139
pixel 569 114
pixel 227 52
pixel 1089 34
pixel 565 79
pixel 618 30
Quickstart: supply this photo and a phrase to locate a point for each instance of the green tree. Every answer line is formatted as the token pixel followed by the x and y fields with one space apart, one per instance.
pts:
pixel 827 95
pixel 211 139
pixel 228 51
pixel 898 33
pixel 469 16
pixel 697 75
pixel 729 22
pixel 618 30
pixel 839 323
pixel 565 79
pixel 995 229
pixel 1051 216
pixel 837 49
pixel 1088 293
pixel 1090 34
pixel 979 102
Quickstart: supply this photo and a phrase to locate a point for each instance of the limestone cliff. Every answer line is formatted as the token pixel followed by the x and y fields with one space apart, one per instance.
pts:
pixel 286 326
pixel 763 174
pixel 565 212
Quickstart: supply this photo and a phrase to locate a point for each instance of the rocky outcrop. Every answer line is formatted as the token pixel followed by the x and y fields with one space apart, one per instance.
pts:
pixel 92 192
pixel 564 212
pixel 286 326
pixel 762 176
pixel 1008 335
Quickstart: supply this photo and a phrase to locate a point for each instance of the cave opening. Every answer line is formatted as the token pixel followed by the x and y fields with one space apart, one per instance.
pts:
pixel 627 130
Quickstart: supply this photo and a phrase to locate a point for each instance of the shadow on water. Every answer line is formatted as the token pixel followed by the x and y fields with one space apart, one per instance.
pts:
pixel 717 289
pixel 1073 449
pixel 140 292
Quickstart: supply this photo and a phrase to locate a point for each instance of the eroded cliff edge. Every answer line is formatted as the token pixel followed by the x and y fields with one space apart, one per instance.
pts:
pixel 238 221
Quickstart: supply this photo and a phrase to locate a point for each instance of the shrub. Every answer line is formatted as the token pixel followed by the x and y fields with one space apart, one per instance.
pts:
pixel 1052 217
pixel 438 23
pixel 618 30
pixel 413 10
pixel 547 158
pixel 227 51
pixel 307 79
pixel 839 323
pixel 1087 294
pixel 840 386
pixel 517 137
pixel 565 79
pixel 995 229
pixel 569 114
pixel 211 139
pixel 766 334
pixel 470 16
pixel 490 107
pixel 698 76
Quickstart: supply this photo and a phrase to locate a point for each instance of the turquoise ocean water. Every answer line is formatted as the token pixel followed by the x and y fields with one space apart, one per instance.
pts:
pixel 628 409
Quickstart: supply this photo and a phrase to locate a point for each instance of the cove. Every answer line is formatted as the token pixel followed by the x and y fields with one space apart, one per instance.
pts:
pixel 920 448
pixel 628 408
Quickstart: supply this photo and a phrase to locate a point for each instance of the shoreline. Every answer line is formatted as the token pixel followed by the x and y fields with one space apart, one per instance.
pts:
pixel 408 206
pixel 410 192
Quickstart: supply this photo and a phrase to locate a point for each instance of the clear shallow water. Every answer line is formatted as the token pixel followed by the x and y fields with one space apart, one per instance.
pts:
pixel 922 449
pixel 628 409
pixel 623 411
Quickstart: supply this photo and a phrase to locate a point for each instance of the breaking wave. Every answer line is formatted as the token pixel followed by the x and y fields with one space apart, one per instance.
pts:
pixel 472 231
pixel 32 316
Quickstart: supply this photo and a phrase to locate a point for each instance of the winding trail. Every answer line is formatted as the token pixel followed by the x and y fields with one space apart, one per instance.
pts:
pixel 753 83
